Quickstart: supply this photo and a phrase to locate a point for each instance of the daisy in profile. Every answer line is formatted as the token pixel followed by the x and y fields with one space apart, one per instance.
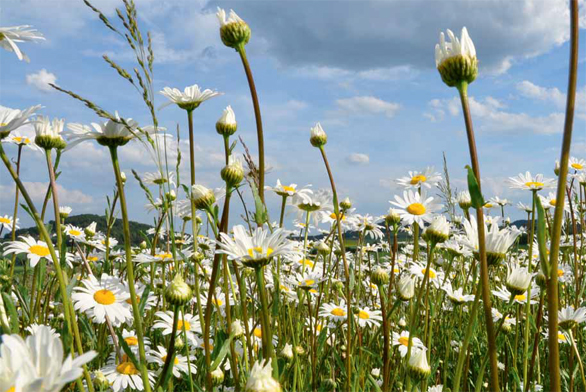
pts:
pixel 427 178
pixel 180 366
pixel 402 342
pixel 457 296
pixel 131 339
pixel 419 270
pixel 550 201
pixel 187 322
pixel 577 164
pixel 520 299
pixel 569 317
pixel 12 119
pixel 75 232
pixel 7 222
pixel 287 190
pixel 121 131
pixel 35 250
pixel 36 364
pixel 528 182
pixel 123 376
pixel 189 99
pixel 334 312
pixel 157 178
pixel 367 224
pixel 13 35
pixel 22 141
pixel 415 208
pixel 256 250
pixel 498 241
pixel 106 297
pixel 369 318
pixel 525 207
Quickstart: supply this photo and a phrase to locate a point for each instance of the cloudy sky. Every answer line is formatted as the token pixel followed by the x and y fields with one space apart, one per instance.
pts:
pixel 364 69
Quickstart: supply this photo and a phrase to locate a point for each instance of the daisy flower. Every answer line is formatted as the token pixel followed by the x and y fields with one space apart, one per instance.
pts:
pixel 256 250
pixel 528 182
pixel 7 222
pixel 501 202
pixel 121 131
pixel 124 375
pixel 415 208
pixel 35 250
pixel 333 311
pixel 10 36
pixel 12 119
pixel 131 339
pixel 550 201
pixel 525 207
pixel 402 341
pixel 23 141
pixel 189 99
pixel 520 299
pixel 157 178
pixel 180 366
pixel 369 318
pixel 419 270
pixel 36 364
pixel 74 232
pixel 367 224
pixel 99 299
pixel 187 322
pixel 568 317
pixel 427 178
pixel 498 241
pixel 577 164
pixel 287 190
pixel 261 379
pixel 457 296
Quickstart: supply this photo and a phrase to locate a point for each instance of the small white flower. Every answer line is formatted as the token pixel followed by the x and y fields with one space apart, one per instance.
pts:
pixel 261 379
pixel 189 99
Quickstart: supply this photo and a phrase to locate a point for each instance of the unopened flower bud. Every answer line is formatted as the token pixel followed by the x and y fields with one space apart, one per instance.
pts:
pixel 418 367
pixel 217 376
pixel 233 173
pixel 226 125
pixel 380 277
pixel 234 32
pixel 287 352
pixel 318 136
pixel 236 328
pixel 346 204
pixel 178 292
pixel 203 197
pixel 406 288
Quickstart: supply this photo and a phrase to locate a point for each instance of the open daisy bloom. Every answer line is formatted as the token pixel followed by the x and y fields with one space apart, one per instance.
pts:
pixel 427 178
pixel 11 36
pixel 256 250
pixel 36 364
pixel 35 250
pixel 7 222
pixel 99 299
pixel 528 182
pixel 109 133
pixel 12 119
pixel 415 207
pixel 498 241
pixel 189 99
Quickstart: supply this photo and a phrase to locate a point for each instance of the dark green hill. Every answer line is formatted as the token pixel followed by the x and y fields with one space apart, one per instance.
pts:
pixel 84 220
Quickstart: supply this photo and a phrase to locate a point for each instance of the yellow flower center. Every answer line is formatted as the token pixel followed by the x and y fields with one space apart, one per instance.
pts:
pixel 74 233
pixel 338 312
pixel 416 209
pixel 129 300
pixel 183 325
pixel 175 361
pixel 417 179
pixel 577 166
pixel 164 256
pixel 313 291
pixel 93 259
pixel 5 220
pixel 552 202
pixel 127 368
pixel 104 297
pixel 11 389
pixel 432 274
pixel 520 297
pixel 285 288
pixel 404 340
pixel 319 327
pixel 306 262
pixel 560 272
pixel 534 184
pixel 39 250
pixel 561 337
pixel 334 216
pixel 259 250
pixel 287 188
pixel 308 282
pixel 363 315
pixel 488 205
pixel 257 332
pixel 217 302
pixel 131 341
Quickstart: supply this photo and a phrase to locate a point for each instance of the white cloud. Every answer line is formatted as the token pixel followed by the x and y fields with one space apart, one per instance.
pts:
pixel 493 116
pixel 41 80
pixel 37 191
pixel 553 95
pixel 357 158
pixel 366 105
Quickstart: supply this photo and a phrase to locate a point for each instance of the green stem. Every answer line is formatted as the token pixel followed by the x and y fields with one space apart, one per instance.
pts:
pixel 130 270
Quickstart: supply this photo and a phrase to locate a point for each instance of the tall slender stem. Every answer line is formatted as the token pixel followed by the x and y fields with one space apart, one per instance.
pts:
pixel 486 298
pixel 257 117
pixel 130 270
pixel 552 281
pixel 16 194
pixel 346 271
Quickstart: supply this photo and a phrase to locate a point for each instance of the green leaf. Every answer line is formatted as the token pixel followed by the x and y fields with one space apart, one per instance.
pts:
pixel 474 189
pixel 222 353
pixel 143 298
pixel 11 309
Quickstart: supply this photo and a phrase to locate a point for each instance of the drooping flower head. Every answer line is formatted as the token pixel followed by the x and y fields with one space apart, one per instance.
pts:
pixel 12 119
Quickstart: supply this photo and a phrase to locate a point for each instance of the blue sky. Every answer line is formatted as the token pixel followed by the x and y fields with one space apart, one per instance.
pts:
pixel 365 70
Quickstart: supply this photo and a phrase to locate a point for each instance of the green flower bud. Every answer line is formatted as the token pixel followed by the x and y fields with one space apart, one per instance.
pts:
pixel 178 292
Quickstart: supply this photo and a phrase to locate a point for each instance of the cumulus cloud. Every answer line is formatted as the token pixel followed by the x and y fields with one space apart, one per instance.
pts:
pixel 493 116
pixel 37 191
pixel 40 80
pixel 357 158
pixel 368 35
pixel 553 95
pixel 366 105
